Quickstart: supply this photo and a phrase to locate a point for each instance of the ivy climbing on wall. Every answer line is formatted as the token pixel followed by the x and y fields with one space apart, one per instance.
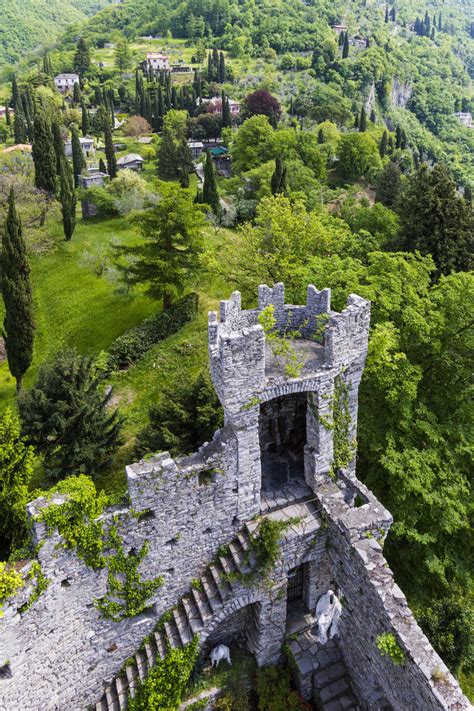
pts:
pixel 343 448
pixel 164 684
pixel 127 594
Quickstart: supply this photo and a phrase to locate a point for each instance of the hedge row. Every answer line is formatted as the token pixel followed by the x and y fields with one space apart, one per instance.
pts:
pixel 132 345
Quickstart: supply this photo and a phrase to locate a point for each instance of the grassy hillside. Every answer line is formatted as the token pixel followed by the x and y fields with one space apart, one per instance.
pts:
pixel 25 25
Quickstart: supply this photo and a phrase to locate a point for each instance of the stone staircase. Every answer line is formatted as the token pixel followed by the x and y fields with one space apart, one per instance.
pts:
pixel 198 606
pixel 178 627
pixel 321 672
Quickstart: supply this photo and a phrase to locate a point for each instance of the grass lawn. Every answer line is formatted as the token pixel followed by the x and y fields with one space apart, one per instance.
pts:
pixel 80 302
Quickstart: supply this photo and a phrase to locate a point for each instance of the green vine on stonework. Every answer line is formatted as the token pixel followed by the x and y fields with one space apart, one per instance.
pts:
pixel 320 324
pixel 343 449
pixel 10 581
pixel 165 682
pixel 76 518
pixel 127 594
pixel 281 346
pixel 263 550
pixel 41 583
pixel 388 646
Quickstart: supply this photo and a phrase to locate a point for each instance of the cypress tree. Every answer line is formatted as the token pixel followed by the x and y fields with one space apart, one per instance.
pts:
pixel 102 166
pixel 345 46
pixel 386 13
pixel 18 324
pixel 67 197
pixel 78 161
pixel 82 59
pixel 26 111
pixel 19 125
pixel 363 121
pixel 76 94
pixel 320 136
pixel 109 151
pixel 468 194
pixel 226 115
pixel 85 120
pixel 373 117
pixel 403 141
pixel 58 146
pixel 44 157
pixel 278 181
pixel 8 118
pixel 15 92
pixel 398 137
pixel 222 69
pixel 391 144
pixel 383 145
pixel 393 15
pixel 210 195
pixel 209 67
pixel 356 121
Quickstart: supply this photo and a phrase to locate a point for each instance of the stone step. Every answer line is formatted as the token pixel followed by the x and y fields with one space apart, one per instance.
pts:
pixel 243 539
pixel 182 625
pixel 101 705
pixel 237 553
pixel 122 692
pixel 212 594
pixel 330 673
pixel 217 575
pixel 140 660
pixel 112 700
pixel 332 691
pixel 192 613
pixel 131 673
pixel 202 604
pixel 160 643
pixel 172 634
pixel 150 651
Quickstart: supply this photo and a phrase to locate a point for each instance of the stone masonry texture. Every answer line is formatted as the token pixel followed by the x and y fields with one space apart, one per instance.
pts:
pixel 62 654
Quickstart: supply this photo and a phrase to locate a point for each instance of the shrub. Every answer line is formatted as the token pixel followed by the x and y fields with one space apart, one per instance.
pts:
pixel 10 581
pixel 133 344
pixel 183 420
pixel 388 645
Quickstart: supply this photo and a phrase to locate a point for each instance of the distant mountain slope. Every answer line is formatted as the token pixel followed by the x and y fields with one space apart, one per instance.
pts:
pixel 26 24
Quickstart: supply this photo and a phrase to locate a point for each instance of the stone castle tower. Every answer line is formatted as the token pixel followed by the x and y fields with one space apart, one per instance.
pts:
pixel 286 452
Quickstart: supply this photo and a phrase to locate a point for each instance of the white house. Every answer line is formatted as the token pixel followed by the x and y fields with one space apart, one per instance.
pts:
pixel 87 145
pixel 196 148
pixel 132 161
pixel 157 61
pixel 65 82
pixel 464 118
pixel 215 105
pixel 94 178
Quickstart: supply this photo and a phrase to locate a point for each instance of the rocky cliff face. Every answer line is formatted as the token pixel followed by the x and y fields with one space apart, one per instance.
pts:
pixel 400 94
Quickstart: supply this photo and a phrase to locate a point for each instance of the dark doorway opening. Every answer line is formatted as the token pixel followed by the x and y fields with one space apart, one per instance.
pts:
pixel 295 589
pixel 282 432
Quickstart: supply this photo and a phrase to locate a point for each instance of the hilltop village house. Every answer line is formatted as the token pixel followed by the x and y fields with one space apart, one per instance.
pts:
pixel 87 145
pixel 65 82
pixel 132 161
pixel 285 453
pixel 157 61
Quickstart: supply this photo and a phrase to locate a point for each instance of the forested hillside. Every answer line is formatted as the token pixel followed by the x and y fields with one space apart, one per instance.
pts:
pixel 26 25
pixel 318 142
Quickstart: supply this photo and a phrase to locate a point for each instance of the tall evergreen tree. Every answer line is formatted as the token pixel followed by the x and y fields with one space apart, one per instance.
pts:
pixel 434 220
pixel 345 46
pixel 76 94
pixel 363 121
pixel 373 117
pixel 468 194
pixel 82 59
pixel 383 145
pixel 78 161
pixel 226 115
pixel 67 196
pixel 67 416
pixel 320 136
pixel 386 13
pixel 19 125
pixel 44 157
pixel 85 120
pixel 278 180
pixel 8 118
pixel 18 324
pixel 59 151
pixel 109 151
pixel 15 92
pixel 210 194
pixel 389 185
pixel 222 68
pixel 102 166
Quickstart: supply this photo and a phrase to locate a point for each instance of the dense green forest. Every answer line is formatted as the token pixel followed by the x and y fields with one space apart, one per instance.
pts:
pixel 350 168
pixel 26 25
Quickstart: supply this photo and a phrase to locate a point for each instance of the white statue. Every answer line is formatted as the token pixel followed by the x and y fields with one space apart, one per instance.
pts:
pixel 328 613
pixel 218 653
